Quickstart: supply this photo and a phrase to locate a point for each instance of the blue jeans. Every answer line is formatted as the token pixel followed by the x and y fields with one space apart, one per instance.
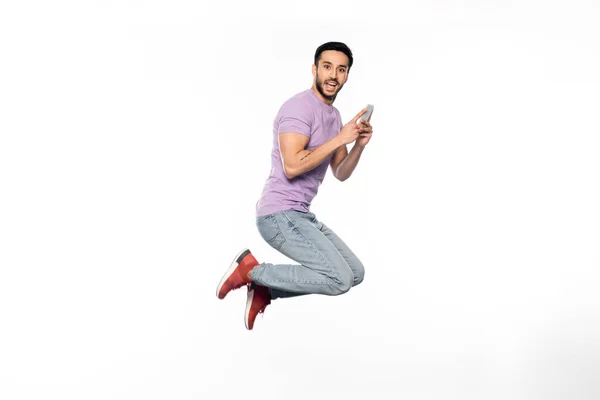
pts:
pixel 326 265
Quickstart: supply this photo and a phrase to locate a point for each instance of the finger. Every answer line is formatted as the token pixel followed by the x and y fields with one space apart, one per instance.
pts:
pixel 355 119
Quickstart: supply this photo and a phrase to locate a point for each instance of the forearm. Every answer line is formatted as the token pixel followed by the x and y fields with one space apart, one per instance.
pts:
pixel 348 164
pixel 306 160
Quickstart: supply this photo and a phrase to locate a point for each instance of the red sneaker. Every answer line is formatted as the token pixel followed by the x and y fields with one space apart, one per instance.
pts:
pixel 259 297
pixel 237 274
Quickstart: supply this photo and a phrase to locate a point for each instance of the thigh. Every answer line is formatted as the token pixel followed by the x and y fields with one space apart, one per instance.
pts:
pixel 351 259
pixel 296 235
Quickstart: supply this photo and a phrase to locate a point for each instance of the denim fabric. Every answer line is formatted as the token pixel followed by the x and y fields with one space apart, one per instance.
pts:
pixel 325 263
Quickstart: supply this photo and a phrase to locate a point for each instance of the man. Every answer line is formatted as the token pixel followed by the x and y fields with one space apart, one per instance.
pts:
pixel 308 138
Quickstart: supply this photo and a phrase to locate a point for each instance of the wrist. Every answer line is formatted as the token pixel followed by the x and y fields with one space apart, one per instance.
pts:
pixel 339 142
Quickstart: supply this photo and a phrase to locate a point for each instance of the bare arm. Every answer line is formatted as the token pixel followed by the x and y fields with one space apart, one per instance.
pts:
pixel 344 163
pixel 297 160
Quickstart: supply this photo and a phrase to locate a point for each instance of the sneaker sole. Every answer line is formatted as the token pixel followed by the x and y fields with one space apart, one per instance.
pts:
pixel 234 265
pixel 249 300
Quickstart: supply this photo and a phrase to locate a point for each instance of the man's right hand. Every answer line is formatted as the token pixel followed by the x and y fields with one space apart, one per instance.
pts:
pixel 351 130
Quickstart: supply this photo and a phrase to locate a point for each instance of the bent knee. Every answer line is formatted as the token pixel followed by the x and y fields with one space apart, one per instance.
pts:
pixel 342 284
pixel 359 273
pixel 358 279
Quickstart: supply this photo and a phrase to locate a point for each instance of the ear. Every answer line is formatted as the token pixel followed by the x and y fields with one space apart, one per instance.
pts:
pixel 314 71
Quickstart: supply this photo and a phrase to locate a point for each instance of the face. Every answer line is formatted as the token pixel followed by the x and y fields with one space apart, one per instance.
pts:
pixel 331 74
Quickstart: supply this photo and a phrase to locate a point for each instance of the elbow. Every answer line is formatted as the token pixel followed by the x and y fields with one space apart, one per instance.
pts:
pixel 289 173
pixel 338 176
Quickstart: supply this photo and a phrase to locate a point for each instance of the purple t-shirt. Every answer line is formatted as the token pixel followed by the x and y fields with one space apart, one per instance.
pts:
pixel 307 114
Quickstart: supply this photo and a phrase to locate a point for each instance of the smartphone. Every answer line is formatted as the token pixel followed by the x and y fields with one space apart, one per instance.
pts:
pixel 367 115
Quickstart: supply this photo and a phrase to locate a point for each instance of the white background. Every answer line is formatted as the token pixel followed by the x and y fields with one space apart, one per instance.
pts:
pixel 135 140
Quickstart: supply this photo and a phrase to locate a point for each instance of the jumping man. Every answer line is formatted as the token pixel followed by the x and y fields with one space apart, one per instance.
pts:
pixel 308 138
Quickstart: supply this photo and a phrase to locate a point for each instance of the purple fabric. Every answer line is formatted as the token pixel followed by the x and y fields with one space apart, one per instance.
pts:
pixel 307 114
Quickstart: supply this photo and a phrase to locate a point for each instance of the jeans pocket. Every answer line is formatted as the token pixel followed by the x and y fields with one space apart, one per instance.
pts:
pixel 268 227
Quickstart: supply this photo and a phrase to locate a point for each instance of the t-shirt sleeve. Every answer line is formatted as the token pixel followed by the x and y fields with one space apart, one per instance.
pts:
pixel 296 116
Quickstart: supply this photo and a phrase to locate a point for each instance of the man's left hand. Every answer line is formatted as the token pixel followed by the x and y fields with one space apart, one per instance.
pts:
pixel 365 133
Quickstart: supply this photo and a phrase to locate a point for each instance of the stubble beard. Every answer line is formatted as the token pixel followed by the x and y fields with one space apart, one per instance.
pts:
pixel 322 91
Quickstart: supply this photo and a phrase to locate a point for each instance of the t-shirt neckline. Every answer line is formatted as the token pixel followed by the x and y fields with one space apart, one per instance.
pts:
pixel 327 107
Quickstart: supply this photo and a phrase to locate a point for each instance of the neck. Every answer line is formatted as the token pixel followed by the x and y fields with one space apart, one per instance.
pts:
pixel 323 99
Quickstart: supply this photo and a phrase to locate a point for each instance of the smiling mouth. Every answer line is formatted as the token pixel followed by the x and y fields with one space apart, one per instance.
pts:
pixel 331 85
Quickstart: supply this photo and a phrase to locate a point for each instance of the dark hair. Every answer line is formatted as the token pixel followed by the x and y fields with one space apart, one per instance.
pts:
pixel 338 46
